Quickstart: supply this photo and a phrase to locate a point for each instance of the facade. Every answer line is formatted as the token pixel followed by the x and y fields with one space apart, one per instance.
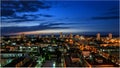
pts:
pixel 52 35
pixel 61 35
pixel 110 35
pixel 98 36
pixel 71 35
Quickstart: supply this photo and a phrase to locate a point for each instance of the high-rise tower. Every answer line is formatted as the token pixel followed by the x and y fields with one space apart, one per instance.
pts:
pixel 61 35
pixel 110 35
pixel 98 36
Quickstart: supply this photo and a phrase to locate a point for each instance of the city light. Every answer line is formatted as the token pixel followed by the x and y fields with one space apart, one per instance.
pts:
pixel 43 33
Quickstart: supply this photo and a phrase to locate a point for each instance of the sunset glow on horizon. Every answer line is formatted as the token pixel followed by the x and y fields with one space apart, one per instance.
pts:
pixel 31 17
pixel 49 31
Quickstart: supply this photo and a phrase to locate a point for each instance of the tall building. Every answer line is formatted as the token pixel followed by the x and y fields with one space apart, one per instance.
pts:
pixel 39 36
pixel 77 36
pixel 52 35
pixel 61 35
pixel 71 35
pixel 98 36
pixel 46 36
pixel 22 36
pixel 110 35
pixel 82 37
pixel 64 36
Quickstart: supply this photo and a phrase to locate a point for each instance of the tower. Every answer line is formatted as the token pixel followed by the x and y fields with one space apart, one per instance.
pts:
pixel 98 36
pixel 71 35
pixel 23 36
pixel 52 35
pixel 61 35
pixel 77 36
pixel 110 35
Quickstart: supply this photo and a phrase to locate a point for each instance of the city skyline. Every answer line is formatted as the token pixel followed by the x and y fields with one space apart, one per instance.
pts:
pixel 60 33
pixel 35 17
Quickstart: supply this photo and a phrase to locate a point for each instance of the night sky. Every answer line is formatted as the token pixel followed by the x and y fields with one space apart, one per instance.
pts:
pixel 36 17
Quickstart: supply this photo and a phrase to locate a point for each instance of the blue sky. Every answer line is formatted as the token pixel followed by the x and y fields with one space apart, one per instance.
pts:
pixel 32 17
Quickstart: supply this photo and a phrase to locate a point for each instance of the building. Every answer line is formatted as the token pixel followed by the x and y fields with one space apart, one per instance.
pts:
pixel 22 36
pixel 46 36
pixel 110 35
pixel 98 36
pixel 77 36
pixel 40 36
pixel 61 34
pixel 37 35
pixel 64 36
pixel 82 37
pixel 71 35
pixel 52 35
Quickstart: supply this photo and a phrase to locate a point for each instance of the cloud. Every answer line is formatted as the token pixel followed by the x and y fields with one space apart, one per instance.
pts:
pixel 16 20
pixel 8 30
pixel 52 24
pixel 21 20
pixel 7 12
pixel 10 7
pixel 19 11
pixel 105 17
pixel 111 13
pixel 45 15
pixel 25 18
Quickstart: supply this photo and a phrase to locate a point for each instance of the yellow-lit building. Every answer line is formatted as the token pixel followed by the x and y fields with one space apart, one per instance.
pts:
pixel 98 36
pixel 61 34
pixel 52 35
pixel 71 35
pixel 110 35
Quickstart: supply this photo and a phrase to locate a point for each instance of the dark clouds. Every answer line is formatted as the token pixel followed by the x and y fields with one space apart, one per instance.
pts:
pixel 25 18
pixel 7 30
pixel 113 11
pixel 105 17
pixel 45 15
pixel 7 12
pixel 110 14
pixel 26 15
pixel 10 7
pixel 18 11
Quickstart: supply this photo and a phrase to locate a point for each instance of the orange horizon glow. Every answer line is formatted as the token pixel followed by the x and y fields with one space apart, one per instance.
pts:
pixel 50 31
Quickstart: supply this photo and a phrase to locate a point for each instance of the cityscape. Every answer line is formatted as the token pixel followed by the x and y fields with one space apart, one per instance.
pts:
pixel 43 33
pixel 60 51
